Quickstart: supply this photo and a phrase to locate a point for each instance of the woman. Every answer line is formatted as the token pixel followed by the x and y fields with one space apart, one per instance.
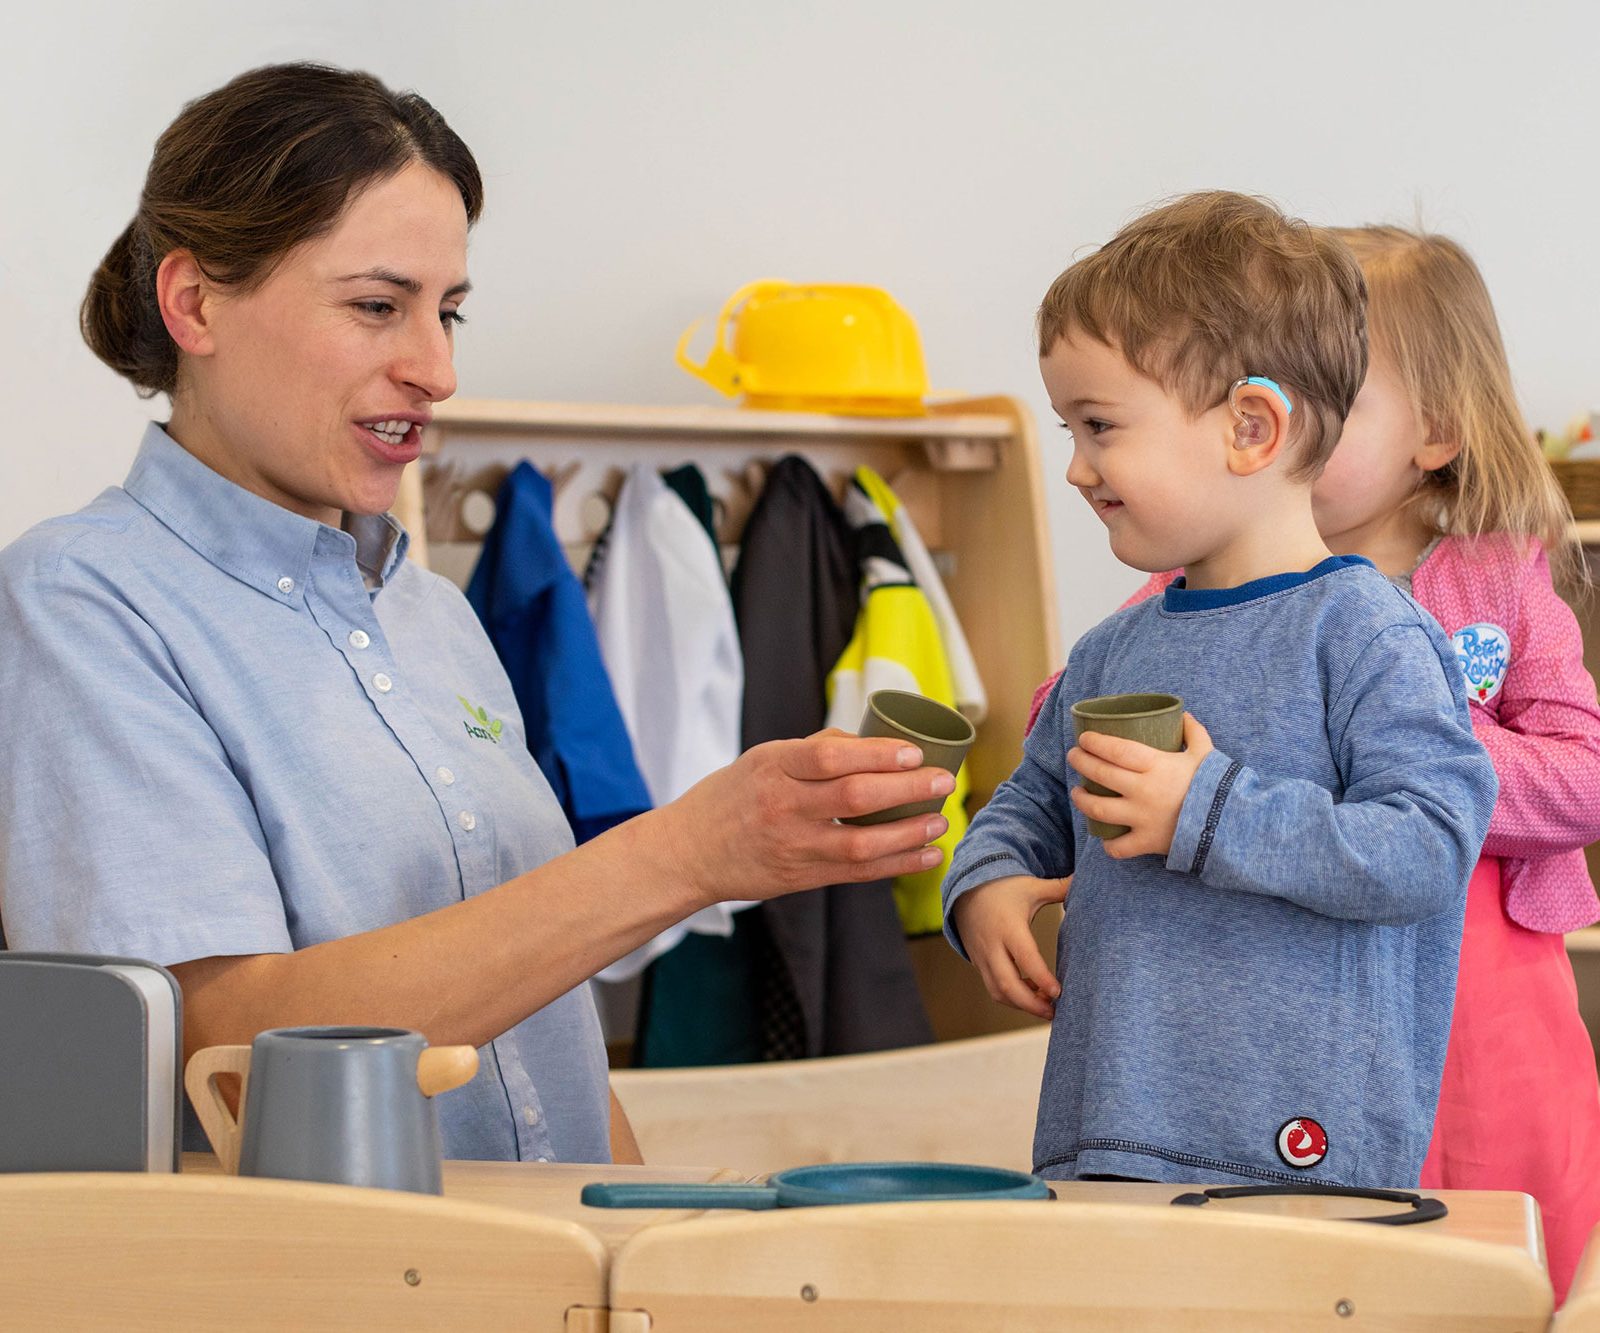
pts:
pixel 233 740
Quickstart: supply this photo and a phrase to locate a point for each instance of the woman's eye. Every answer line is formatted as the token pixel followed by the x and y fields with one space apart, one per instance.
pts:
pixel 1096 426
pixel 376 307
pixel 452 318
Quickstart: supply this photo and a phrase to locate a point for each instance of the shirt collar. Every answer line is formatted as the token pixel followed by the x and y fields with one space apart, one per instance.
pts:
pixel 381 545
pixel 1180 597
pixel 258 542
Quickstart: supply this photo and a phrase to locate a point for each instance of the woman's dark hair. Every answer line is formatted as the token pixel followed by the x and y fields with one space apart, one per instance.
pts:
pixel 245 174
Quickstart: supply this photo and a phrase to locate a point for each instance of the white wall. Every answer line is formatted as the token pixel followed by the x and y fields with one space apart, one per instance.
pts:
pixel 642 161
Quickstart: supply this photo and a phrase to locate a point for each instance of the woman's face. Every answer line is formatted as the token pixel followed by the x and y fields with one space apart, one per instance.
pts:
pixel 315 386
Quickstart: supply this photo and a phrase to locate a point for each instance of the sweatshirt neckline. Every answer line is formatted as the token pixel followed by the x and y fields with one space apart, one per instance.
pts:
pixel 1179 597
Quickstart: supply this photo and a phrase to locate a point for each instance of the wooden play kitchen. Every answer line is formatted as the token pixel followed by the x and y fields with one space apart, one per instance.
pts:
pixel 512 1245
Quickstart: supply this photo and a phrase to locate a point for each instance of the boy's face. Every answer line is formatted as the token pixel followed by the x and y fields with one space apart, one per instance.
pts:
pixel 1157 476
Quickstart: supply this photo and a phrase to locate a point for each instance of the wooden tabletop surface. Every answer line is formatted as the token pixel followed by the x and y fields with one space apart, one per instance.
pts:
pixel 1484 1215
pixel 552 1190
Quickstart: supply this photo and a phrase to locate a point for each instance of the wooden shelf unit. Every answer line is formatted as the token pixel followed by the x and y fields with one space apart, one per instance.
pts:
pixel 969 473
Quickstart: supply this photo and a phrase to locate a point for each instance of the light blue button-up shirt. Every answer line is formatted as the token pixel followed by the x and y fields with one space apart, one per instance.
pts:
pixel 229 729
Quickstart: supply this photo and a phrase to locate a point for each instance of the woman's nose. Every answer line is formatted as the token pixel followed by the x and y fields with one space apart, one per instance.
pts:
pixel 428 364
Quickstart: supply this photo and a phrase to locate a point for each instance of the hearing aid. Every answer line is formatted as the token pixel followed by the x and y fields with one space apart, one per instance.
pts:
pixel 1251 430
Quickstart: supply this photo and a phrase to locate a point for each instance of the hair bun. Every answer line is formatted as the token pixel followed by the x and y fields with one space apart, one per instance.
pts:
pixel 121 320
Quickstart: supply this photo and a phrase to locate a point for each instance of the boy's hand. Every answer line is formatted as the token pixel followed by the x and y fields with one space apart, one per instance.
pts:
pixel 993 923
pixel 1153 784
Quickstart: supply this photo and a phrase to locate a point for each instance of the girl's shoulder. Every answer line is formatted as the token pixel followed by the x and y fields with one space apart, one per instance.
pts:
pixel 1496 569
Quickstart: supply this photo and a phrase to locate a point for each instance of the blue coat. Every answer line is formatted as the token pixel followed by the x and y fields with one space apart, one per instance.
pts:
pixel 533 608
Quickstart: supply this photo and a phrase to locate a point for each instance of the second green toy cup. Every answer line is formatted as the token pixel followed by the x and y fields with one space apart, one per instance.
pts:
pixel 1151 719
pixel 943 735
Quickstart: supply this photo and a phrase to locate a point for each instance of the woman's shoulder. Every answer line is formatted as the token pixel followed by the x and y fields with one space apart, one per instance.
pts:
pixel 93 542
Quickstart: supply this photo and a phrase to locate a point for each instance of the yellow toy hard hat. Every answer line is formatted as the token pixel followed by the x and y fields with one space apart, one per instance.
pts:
pixel 815 348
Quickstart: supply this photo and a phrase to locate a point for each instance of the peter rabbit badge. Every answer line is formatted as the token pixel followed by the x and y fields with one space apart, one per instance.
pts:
pixel 1484 652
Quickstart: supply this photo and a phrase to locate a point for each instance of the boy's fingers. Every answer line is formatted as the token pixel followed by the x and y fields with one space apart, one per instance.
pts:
pixel 1056 890
pixel 1107 809
pixel 1119 750
pixel 1097 769
pixel 1129 844
pixel 1006 986
pixel 1030 963
pixel 1020 995
pixel 1196 737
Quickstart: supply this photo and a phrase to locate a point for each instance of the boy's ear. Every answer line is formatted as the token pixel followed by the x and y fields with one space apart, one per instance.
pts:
pixel 1260 425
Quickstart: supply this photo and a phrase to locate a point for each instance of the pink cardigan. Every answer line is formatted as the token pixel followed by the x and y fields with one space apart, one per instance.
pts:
pixel 1541 726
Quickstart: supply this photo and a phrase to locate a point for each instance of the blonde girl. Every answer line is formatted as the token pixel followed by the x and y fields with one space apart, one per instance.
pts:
pixel 1437 479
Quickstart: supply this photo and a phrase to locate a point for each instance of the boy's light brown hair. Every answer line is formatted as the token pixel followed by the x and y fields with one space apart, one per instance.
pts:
pixel 1212 287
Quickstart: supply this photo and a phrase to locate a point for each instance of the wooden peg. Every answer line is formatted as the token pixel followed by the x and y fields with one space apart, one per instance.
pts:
pixel 594 514
pixel 559 474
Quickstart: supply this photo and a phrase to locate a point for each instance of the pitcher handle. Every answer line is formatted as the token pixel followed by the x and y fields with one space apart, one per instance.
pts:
pixel 440 1068
pixel 221 1125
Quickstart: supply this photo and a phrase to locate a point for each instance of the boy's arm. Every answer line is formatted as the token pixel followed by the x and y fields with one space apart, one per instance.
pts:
pixel 1543 730
pixel 1400 842
pixel 1026 827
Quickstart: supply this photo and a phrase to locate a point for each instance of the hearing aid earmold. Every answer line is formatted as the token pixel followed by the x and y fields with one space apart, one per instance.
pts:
pixel 1249 429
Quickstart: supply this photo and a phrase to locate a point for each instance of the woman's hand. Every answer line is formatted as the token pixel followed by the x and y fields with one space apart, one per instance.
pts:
pixel 764 825
pixel 994 922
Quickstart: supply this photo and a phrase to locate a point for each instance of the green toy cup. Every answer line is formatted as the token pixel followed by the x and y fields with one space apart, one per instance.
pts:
pixel 943 735
pixel 1151 719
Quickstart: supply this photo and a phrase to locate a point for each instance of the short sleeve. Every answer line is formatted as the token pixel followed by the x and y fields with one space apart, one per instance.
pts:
pixel 127 830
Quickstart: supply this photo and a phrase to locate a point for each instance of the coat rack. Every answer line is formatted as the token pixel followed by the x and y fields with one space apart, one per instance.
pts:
pixel 969 473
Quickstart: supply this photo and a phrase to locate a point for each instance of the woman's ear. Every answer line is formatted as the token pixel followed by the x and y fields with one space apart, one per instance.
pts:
pixel 1432 457
pixel 1260 425
pixel 184 294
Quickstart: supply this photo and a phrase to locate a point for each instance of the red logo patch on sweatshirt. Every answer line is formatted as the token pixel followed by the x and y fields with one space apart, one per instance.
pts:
pixel 1302 1142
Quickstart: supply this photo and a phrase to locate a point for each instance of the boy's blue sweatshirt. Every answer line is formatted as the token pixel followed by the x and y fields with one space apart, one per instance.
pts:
pixel 1294 958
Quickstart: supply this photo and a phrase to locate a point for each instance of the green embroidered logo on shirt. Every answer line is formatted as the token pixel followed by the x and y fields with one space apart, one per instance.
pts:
pixel 487 728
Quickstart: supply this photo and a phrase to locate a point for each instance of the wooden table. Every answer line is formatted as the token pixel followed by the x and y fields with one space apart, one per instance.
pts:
pixel 552 1190
pixel 708 1269
pixel 1105 1258
pixel 1493 1217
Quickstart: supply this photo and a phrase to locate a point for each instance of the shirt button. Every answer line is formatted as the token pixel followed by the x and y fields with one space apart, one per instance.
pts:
pixel 359 639
pixel 467 820
pixel 530 1115
pixel 382 683
pixel 286 584
pixel 445 776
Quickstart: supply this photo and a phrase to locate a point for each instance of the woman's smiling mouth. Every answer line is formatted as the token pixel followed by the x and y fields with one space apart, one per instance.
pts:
pixel 392 439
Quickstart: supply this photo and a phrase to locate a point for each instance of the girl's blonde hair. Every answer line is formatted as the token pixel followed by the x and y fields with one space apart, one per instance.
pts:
pixel 1429 313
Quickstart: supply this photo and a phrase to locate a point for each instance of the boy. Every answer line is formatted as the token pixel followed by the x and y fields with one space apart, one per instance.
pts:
pixel 1256 980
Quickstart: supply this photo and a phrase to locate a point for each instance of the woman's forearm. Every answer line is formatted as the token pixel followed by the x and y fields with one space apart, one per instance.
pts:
pixel 470 971
pixel 465 973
